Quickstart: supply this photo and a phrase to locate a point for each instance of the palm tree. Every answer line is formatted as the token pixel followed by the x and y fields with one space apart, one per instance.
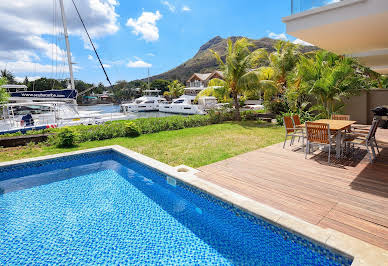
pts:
pixel 240 69
pixel 329 78
pixel 8 75
pixel 217 88
pixel 176 89
pixel 283 61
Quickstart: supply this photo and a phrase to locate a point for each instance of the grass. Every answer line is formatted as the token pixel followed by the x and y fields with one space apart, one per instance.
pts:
pixel 194 147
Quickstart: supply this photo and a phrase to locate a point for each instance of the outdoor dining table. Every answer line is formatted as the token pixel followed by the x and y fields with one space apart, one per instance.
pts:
pixel 337 127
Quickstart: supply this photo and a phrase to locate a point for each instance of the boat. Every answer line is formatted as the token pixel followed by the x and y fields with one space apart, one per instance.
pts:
pixel 29 110
pixel 19 94
pixel 186 105
pixel 149 102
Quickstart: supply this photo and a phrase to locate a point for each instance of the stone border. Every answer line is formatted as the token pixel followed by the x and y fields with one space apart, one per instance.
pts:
pixel 362 252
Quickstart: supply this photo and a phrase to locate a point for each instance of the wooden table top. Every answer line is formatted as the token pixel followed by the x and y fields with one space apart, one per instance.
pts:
pixel 336 124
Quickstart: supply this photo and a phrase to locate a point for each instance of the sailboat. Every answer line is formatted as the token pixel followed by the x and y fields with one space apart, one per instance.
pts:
pixel 34 110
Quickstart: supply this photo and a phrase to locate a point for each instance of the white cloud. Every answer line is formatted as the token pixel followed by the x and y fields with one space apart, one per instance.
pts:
pixel 280 36
pixel 90 57
pixel 170 6
pixel 145 26
pixel 186 9
pixel 106 65
pixel 28 66
pixel 21 79
pixel 301 42
pixel 31 37
pixel 138 64
pixel 150 54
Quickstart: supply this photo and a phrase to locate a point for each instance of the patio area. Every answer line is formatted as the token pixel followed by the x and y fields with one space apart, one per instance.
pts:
pixel 350 195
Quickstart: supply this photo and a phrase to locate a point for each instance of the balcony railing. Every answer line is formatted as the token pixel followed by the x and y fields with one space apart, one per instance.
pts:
pixel 298 6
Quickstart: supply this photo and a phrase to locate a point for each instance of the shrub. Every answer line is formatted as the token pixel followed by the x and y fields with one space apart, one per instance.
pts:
pixel 220 115
pixel 115 129
pixel 277 106
pixel 66 137
pixel 132 130
pixel 251 114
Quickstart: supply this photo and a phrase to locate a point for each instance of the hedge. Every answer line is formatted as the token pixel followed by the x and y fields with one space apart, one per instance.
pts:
pixel 117 129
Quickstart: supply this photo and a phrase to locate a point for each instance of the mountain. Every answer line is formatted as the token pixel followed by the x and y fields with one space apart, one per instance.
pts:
pixel 204 61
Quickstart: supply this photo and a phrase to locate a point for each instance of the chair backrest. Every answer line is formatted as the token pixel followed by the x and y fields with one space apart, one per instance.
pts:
pixel 318 132
pixel 340 117
pixel 288 124
pixel 373 129
pixel 296 120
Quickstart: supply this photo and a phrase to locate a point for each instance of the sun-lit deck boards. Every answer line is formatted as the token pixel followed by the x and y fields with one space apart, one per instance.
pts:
pixel 350 197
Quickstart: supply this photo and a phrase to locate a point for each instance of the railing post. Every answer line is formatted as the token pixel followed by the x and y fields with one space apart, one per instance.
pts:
pixel 292 7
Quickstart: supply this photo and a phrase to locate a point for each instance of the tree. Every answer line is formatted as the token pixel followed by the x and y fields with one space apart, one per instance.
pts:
pixel 160 84
pixel 8 76
pixel 328 78
pixel 3 92
pixel 241 70
pixel 175 89
pixel 122 90
pixel 283 61
pixel 81 86
pixel 216 88
pixel 47 84
pixel 26 82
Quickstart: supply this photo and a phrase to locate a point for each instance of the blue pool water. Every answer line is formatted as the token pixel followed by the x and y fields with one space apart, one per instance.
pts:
pixel 103 208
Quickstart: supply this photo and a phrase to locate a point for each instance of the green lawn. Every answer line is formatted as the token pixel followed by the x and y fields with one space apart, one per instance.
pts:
pixel 194 147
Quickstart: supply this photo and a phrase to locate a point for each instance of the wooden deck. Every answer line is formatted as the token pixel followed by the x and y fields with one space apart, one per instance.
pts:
pixel 350 195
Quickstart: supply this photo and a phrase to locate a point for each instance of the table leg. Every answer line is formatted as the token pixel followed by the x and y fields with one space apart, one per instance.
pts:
pixel 338 143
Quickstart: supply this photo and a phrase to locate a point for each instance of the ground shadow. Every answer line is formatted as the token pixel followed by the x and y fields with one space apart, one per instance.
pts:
pixel 373 179
pixel 321 157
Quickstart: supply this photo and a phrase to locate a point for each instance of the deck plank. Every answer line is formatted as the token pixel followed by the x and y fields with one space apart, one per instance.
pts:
pixel 347 196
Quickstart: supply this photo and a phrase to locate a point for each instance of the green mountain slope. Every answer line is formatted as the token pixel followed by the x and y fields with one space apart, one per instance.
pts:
pixel 203 61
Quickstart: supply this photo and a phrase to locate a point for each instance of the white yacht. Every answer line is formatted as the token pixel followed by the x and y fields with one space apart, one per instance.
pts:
pixel 149 102
pixel 185 105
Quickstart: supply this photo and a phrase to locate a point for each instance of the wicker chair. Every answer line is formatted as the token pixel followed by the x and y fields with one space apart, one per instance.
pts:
pixel 318 134
pixel 291 131
pixel 368 140
pixel 340 117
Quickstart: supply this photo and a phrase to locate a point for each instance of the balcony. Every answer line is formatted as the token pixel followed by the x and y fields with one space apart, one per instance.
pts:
pixel 298 6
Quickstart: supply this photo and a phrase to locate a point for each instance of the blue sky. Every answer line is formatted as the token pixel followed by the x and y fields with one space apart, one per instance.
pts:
pixel 163 34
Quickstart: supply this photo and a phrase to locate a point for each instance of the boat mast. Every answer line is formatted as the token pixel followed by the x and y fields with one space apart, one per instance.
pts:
pixel 67 44
pixel 148 77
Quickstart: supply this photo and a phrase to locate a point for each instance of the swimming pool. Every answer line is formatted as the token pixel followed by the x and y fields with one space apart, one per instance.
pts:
pixel 106 208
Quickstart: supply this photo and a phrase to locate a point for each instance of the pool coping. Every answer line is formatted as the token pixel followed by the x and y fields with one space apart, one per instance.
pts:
pixel 362 252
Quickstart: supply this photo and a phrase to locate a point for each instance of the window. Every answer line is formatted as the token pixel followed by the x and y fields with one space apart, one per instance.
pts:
pixel 149 101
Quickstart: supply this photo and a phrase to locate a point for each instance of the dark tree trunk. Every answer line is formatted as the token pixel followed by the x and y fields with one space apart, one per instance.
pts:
pixel 237 116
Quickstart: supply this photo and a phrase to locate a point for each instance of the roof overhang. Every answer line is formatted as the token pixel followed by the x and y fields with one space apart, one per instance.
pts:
pixel 352 27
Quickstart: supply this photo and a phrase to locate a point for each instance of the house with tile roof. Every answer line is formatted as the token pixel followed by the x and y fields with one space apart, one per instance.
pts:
pixel 201 80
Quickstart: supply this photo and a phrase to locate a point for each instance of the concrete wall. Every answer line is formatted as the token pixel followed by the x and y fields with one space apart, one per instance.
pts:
pixel 359 106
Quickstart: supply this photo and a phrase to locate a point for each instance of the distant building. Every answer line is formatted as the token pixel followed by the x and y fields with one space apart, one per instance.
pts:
pixel 198 81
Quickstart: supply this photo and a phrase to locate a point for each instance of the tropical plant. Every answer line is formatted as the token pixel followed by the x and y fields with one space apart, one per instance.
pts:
pixel 329 78
pixel 67 137
pixel 132 129
pixel 3 93
pixel 283 61
pixel 216 88
pixel 8 76
pixel 241 70
pixel 159 84
pixel 175 89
